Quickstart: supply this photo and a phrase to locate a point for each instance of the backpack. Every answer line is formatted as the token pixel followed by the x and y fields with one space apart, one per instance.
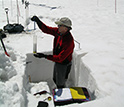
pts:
pixel 13 28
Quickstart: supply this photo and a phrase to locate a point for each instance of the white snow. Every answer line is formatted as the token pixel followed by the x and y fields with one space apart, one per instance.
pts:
pixel 99 64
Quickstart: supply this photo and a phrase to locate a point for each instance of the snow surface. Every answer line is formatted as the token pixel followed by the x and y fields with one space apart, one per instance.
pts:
pixel 97 28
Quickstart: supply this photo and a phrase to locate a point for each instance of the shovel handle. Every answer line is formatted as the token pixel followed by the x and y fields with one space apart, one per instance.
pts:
pixel 4 47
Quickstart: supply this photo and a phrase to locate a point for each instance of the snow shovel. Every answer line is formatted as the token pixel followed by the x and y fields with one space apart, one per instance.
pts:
pixel 4 46
pixel 11 55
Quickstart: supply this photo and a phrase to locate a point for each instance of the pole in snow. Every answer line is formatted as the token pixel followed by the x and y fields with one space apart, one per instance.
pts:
pixel 6 10
pixel 115 6
pixel 17 11
pixel 27 12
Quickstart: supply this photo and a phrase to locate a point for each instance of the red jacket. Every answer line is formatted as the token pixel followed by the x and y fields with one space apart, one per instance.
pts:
pixel 63 45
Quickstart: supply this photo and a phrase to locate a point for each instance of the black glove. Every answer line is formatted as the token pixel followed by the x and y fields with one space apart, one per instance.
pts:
pixel 35 18
pixel 40 55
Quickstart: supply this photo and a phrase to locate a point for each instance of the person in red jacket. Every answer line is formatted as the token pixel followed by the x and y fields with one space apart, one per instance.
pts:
pixel 63 47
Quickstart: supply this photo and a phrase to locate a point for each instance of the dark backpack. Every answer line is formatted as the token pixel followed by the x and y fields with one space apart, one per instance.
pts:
pixel 13 28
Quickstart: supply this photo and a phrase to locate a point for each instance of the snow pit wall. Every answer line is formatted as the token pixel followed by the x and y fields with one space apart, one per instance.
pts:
pixel 38 70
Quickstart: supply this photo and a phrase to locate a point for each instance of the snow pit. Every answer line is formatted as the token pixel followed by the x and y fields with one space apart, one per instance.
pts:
pixel 38 70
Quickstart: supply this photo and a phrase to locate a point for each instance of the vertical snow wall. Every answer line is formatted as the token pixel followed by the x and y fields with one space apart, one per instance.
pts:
pixel 38 70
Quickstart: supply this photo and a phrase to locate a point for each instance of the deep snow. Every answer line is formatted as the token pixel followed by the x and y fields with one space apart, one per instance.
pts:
pixel 97 28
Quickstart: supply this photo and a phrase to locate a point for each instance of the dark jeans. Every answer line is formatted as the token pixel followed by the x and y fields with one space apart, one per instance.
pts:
pixel 60 74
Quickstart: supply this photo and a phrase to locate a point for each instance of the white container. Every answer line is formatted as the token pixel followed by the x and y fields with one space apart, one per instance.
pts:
pixel 34 44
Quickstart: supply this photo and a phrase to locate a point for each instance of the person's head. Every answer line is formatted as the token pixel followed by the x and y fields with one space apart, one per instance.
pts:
pixel 64 25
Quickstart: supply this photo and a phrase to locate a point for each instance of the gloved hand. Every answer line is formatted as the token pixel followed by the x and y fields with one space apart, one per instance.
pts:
pixel 34 18
pixel 40 55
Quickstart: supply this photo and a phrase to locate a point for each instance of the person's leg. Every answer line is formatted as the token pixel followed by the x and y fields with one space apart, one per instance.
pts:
pixel 54 73
pixel 61 74
pixel 68 70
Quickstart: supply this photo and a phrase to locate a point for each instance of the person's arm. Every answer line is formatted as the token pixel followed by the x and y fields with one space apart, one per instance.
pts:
pixel 43 27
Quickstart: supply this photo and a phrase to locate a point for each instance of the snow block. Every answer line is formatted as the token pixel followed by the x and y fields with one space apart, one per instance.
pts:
pixel 7 70
pixel 40 69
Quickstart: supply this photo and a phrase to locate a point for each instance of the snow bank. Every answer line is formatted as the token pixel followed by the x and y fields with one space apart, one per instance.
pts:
pixel 10 92
pixel 83 74
pixel 10 95
pixel 6 68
